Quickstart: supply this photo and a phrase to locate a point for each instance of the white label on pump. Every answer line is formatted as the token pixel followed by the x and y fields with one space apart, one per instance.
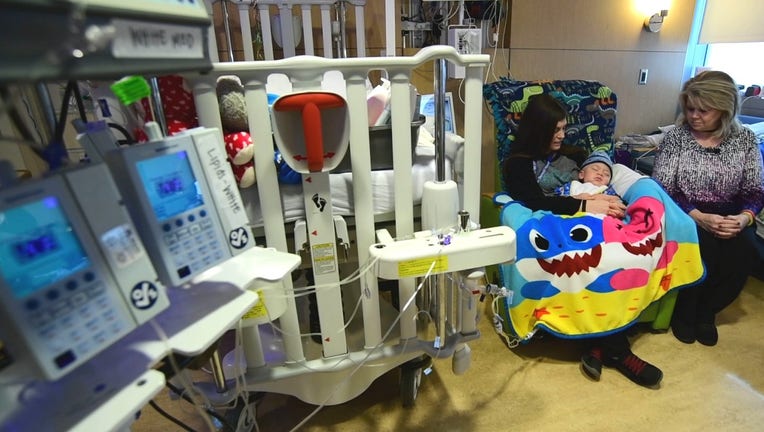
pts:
pixel 122 245
pixel 140 39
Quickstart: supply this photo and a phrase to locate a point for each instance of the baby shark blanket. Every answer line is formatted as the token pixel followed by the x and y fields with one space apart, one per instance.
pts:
pixel 588 275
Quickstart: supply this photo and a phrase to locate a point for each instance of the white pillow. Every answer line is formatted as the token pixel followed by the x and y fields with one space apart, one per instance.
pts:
pixel 623 178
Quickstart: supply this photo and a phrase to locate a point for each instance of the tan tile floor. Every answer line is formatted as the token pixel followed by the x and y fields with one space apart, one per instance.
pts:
pixel 539 387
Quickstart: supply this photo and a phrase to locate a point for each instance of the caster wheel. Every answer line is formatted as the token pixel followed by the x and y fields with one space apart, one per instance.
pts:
pixel 411 378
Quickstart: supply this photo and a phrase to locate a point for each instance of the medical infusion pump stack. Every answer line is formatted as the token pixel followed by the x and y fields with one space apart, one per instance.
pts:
pixel 74 275
pixel 184 200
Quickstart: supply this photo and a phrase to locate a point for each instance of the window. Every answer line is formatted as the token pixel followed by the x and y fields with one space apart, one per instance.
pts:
pixel 743 61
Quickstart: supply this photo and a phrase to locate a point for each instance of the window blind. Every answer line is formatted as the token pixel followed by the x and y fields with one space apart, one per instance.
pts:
pixel 726 21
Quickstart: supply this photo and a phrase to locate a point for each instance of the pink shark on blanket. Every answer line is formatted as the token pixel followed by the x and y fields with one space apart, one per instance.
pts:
pixel 641 240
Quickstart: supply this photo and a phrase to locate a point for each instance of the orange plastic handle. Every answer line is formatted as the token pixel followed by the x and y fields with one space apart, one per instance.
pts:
pixel 310 106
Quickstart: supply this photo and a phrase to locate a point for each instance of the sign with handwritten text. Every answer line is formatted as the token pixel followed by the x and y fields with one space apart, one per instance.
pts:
pixel 140 39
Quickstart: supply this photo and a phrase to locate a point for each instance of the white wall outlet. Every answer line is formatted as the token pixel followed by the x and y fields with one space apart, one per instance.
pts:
pixel 642 77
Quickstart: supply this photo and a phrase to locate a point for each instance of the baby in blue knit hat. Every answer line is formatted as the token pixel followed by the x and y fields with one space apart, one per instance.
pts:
pixel 593 177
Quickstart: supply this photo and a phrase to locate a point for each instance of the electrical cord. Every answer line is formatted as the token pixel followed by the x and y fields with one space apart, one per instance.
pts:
pixel 78 100
pixel 370 351
pixel 128 138
pixel 355 275
pixel 201 407
pixel 58 134
pixel 498 322
pixel 167 415
pixel 183 395
pixel 247 416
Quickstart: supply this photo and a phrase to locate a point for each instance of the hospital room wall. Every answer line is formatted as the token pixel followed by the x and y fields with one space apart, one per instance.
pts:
pixel 605 40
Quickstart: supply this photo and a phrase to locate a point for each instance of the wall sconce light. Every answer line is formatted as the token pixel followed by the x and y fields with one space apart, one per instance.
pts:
pixel 654 22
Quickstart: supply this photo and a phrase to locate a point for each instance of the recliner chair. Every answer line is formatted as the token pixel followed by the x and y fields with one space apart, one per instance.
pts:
pixel 592 108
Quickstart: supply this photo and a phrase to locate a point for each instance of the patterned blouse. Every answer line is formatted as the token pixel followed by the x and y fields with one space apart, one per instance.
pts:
pixel 724 180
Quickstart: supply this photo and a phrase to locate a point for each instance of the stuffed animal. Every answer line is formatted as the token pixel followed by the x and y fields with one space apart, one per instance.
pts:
pixel 180 114
pixel 177 105
pixel 238 141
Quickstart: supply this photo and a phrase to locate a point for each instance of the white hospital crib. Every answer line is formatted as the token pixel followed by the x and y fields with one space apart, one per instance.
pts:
pixel 283 361
pixel 279 27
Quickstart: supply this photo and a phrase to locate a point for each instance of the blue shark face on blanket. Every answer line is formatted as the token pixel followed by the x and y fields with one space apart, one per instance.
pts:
pixel 568 254
pixel 554 249
pixel 552 239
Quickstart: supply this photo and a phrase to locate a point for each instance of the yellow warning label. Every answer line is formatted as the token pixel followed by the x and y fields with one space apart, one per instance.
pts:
pixel 258 310
pixel 420 266
pixel 324 259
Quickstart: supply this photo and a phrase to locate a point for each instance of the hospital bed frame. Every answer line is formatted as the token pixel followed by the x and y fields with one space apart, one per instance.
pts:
pixel 330 380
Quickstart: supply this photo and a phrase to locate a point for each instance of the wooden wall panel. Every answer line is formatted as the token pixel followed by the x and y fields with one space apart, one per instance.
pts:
pixel 600 25
pixel 604 40
pixel 641 108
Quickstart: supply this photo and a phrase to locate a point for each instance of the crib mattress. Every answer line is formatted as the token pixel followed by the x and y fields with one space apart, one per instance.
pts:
pixel 383 184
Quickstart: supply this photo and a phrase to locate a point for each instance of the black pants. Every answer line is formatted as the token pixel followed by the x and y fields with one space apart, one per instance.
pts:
pixel 728 263
pixel 613 345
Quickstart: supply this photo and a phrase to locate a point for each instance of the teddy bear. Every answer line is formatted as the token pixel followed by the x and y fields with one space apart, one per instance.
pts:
pixel 236 136
pixel 180 114
pixel 233 114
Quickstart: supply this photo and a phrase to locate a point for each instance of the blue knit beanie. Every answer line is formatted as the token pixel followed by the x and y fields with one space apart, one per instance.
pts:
pixel 599 156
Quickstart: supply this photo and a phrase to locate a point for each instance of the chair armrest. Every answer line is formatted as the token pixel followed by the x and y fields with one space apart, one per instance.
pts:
pixel 489 211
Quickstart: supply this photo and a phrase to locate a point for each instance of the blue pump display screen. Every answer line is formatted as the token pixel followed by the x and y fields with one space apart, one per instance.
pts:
pixel 39 246
pixel 427 109
pixel 170 184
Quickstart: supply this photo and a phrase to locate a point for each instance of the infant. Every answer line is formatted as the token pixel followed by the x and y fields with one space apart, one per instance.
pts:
pixel 593 178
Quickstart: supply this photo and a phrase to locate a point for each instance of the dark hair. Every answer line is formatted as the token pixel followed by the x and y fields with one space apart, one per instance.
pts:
pixel 537 126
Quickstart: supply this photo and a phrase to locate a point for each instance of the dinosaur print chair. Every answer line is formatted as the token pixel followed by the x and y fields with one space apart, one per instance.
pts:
pixel 639 260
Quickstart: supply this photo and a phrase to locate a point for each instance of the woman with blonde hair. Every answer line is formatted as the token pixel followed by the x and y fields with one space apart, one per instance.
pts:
pixel 712 167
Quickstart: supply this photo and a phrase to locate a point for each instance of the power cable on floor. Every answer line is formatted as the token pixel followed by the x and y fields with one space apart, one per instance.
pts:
pixel 167 415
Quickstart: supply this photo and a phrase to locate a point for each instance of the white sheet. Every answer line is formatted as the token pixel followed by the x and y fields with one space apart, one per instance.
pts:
pixel 423 170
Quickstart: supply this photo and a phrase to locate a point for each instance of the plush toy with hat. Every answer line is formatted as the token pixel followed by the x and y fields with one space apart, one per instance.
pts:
pixel 238 141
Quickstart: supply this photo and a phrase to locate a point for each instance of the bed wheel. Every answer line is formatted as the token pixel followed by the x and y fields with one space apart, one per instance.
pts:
pixel 411 378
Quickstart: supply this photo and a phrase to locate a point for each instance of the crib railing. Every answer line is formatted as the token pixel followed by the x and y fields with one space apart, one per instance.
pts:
pixel 331 30
pixel 306 73
pixel 286 30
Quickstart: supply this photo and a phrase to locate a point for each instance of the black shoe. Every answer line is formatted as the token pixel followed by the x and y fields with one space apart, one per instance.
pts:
pixel 591 363
pixel 684 332
pixel 707 334
pixel 636 369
